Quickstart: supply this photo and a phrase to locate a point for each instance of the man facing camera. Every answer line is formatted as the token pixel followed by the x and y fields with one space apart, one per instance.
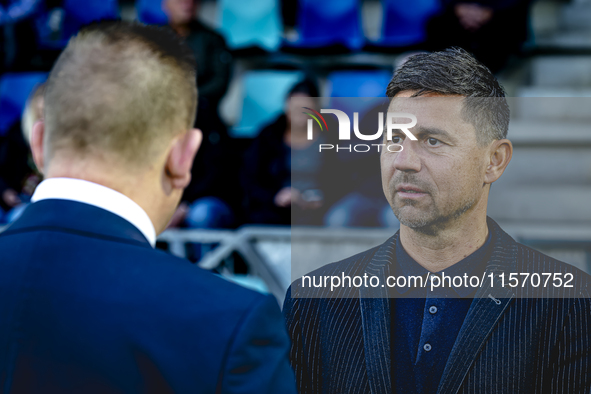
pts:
pixel 88 305
pixel 469 337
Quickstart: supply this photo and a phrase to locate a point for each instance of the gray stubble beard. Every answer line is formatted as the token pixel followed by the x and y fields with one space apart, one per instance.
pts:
pixel 432 224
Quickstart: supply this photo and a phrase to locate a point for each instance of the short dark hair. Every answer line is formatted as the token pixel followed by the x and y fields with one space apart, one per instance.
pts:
pixel 121 88
pixel 306 86
pixel 456 72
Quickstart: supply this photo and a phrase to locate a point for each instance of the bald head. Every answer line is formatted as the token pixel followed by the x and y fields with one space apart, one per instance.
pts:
pixel 119 92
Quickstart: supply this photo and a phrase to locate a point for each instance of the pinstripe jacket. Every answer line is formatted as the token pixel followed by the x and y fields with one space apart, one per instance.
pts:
pixel 514 342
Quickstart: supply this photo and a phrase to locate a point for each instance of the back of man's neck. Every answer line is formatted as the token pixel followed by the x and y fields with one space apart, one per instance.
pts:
pixel 126 182
pixel 105 176
pixel 445 247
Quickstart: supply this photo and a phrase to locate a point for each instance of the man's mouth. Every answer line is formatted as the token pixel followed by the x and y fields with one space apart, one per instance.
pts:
pixel 409 191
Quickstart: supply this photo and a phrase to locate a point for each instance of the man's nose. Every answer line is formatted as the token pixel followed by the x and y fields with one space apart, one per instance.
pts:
pixel 408 159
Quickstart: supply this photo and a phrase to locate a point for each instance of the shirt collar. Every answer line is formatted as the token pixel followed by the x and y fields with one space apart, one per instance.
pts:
pixel 99 196
pixel 474 264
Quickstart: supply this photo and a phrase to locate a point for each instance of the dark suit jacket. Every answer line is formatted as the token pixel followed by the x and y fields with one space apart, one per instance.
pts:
pixel 87 306
pixel 522 345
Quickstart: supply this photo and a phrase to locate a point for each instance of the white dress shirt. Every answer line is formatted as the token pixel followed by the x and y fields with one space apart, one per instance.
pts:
pixel 99 196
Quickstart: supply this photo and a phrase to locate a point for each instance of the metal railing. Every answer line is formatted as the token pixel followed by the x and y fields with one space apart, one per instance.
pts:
pixel 242 241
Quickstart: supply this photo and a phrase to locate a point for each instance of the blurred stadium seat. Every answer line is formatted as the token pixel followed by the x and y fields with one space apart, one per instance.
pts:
pixel 79 13
pixel 367 85
pixel 247 24
pixel 404 23
pixel 150 12
pixel 353 83
pixel 264 94
pixel 14 91
pixel 327 23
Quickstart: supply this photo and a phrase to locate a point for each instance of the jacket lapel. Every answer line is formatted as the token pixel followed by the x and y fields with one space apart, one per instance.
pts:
pixel 375 315
pixel 490 303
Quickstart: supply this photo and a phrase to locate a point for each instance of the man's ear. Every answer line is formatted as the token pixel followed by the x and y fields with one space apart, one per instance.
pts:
pixel 500 156
pixel 180 159
pixel 37 134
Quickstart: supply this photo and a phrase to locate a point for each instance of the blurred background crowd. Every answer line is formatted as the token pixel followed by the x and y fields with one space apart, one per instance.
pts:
pixel 253 56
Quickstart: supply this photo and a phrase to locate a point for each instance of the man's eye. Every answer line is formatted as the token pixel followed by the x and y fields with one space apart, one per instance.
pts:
pixel 433 141
pixel 396 139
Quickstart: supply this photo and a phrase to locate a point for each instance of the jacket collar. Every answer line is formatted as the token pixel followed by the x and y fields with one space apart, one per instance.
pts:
pixel 79 218
pixel 101 196
pixel 375 313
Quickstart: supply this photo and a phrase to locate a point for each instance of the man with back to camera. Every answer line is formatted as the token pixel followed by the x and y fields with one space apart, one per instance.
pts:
pixel 88 306
pixel 459 339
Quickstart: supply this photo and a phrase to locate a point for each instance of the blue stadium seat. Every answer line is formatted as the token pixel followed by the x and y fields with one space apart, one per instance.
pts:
pixel 404 23
pixel 264 98
pixel 247 24
pixel 14 91
pixel 79 13
pixel 369 86
pixel 329 22
pixel 150 12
